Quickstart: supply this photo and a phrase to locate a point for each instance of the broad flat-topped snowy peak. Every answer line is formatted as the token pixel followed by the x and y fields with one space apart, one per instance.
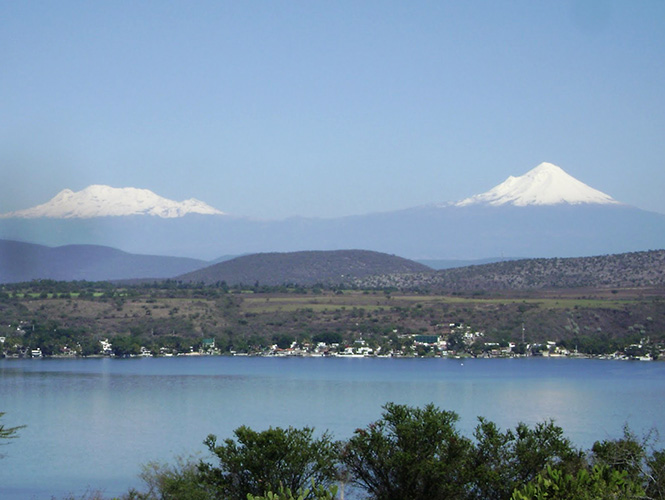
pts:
pixel 546 184
pixel 106 201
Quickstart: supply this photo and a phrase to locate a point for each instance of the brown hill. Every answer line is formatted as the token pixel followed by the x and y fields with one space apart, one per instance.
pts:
pixel 303 268
pixel 635 269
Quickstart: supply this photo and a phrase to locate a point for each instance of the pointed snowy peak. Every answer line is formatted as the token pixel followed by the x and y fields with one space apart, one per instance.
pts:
pixel 546 184
pixel 106 201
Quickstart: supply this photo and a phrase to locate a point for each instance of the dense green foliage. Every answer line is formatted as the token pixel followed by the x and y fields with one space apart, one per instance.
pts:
pixel 504 460
pixel 259 462
pixel 317 492
pixel 171 482
pixel 601 483
pixel 416 454
pixel 410 453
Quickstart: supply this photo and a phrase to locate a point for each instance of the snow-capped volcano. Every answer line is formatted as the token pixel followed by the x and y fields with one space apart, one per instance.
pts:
pixel 106 201
pixel 546 184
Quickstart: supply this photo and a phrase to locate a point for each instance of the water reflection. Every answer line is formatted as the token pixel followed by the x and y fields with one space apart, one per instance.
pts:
pixel 94 422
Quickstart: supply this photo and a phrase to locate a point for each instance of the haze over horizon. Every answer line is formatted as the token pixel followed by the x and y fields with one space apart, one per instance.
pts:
pixel 545 184
pixel 327 110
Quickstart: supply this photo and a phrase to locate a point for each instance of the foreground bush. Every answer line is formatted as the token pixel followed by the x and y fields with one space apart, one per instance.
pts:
pixel 172 482
pixel 260 462
pixel 602 483
pixel 414 454
pixel 317 492
pixel 410 453
pixel 503 461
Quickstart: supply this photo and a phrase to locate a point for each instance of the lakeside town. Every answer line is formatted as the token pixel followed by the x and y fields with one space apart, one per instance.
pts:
pixel 460 342
pixel 79 319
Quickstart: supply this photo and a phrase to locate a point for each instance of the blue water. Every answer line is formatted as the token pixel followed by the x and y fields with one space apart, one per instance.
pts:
pixel 92 423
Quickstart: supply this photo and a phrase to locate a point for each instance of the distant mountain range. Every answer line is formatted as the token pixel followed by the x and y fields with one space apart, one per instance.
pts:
pixel 20 262
pixel 543 213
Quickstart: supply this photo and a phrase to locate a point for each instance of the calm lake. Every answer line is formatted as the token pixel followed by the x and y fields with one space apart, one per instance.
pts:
pixel 93 422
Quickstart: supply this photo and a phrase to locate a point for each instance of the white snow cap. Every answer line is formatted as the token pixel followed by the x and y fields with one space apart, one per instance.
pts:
pixel 105 201
pixel 546 184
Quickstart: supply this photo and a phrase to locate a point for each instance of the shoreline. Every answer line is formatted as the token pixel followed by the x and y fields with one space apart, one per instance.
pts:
pixel 338 356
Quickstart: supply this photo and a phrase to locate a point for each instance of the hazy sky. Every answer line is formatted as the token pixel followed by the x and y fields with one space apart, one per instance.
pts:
pixel 273 109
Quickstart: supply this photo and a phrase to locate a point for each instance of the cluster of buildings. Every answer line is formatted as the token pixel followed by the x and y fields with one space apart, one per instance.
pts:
pixel 457 340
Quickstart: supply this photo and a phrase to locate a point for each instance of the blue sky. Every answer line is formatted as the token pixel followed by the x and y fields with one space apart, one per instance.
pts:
pixel 275 109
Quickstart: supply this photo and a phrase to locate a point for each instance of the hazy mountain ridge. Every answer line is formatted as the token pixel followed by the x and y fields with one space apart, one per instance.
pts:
pixel 468 233
pixel 634 269
pixel 544 213
pixel 302 268
pixel 21 262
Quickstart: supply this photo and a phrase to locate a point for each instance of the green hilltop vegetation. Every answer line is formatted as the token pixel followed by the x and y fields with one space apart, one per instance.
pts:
pixel 627 270
pixel 622 312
